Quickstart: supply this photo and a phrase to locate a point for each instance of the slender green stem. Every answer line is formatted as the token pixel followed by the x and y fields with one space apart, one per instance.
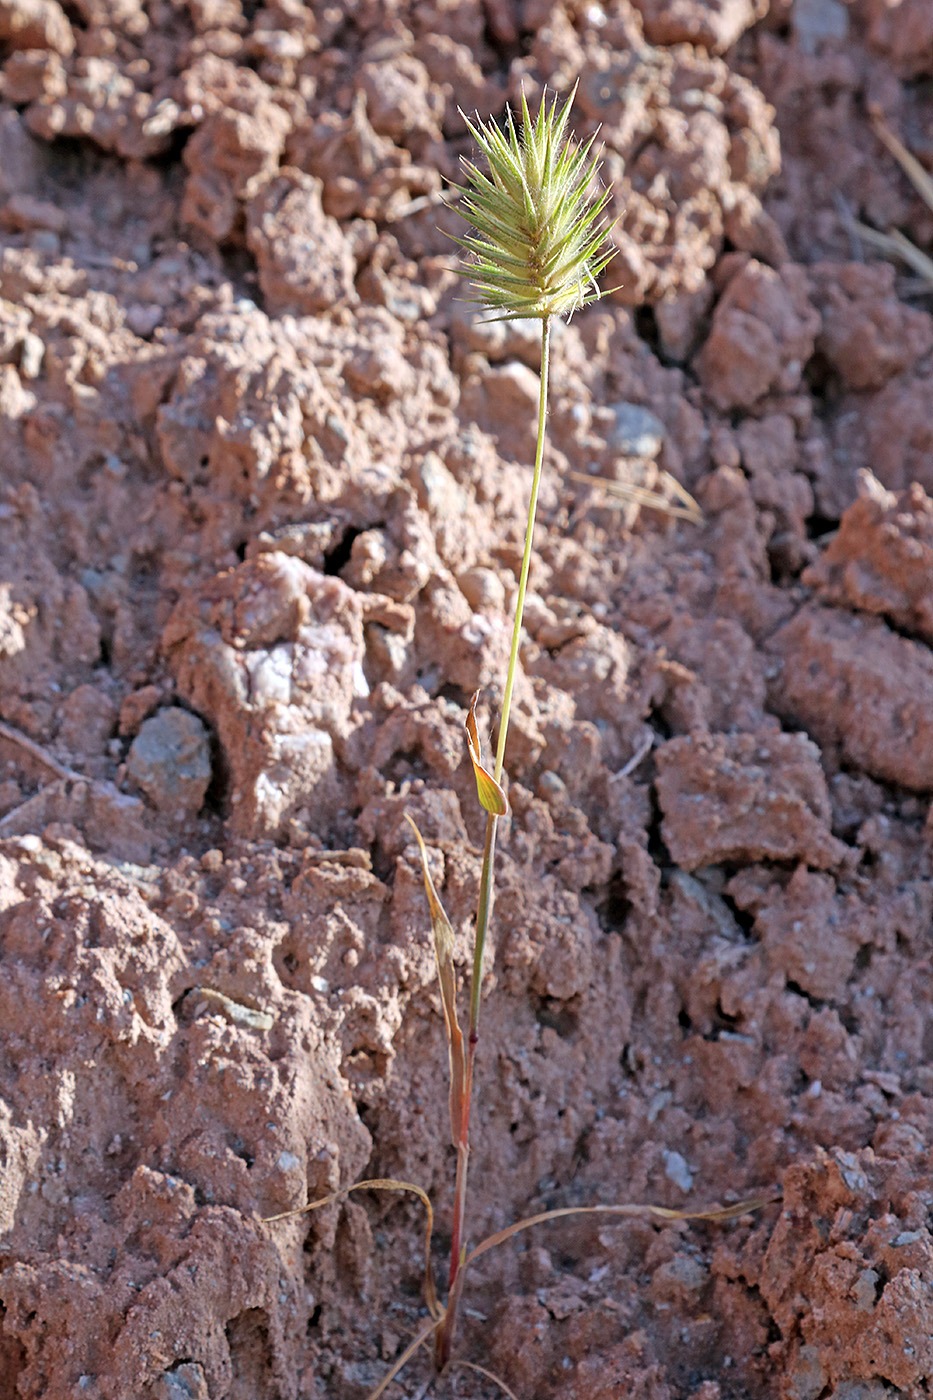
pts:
pixel 483 915
pixel 484 909
pixel 463 1146
pixel 445 1331
pixel 526 558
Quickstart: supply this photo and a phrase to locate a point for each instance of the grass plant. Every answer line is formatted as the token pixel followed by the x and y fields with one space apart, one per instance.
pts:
pixel 538 247
pixel 538 244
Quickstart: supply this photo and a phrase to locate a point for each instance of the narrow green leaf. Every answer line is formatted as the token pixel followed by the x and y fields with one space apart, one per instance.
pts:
pixel 491 794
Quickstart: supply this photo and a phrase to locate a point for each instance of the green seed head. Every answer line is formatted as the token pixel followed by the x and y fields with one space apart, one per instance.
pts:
pixel 540 236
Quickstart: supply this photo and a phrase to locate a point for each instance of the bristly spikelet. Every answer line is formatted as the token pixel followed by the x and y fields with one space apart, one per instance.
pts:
pixel 540 240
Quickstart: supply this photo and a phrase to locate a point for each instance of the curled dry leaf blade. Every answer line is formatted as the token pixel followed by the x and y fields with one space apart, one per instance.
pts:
pixel 383 1183
pixel 447 980
pixel 660 1212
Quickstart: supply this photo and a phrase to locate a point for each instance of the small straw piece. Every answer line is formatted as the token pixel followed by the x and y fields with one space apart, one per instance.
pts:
pixel 920 178
pixel 631 494
pixel 895 244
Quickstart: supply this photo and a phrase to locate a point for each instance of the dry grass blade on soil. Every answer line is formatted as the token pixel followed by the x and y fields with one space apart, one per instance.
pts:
pixel 437 1312
pixel 716 1213
pixel 683 507
pixel 447 979
pixel 895 244
pixel 383 1183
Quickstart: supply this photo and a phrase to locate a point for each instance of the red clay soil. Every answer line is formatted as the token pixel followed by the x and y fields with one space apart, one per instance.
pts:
pixel 263 476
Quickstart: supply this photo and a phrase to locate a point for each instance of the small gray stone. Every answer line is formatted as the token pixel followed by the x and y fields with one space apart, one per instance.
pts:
pixel 142 318
pixel 816 20
pixel 806 1378
pixel 170 759
pixel 184 1382
pixel 677 1170
pixel 637 432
